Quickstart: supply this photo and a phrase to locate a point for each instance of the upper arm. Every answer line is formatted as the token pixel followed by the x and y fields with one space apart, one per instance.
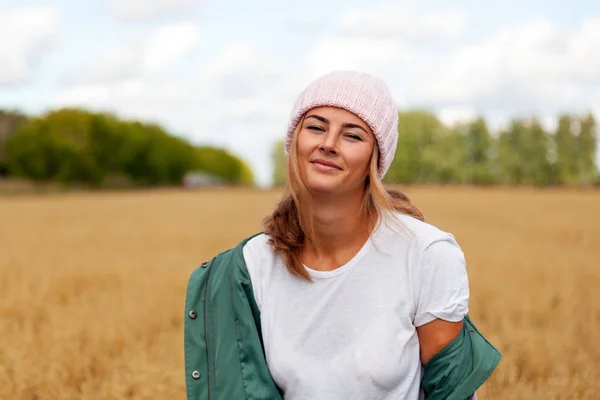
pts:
pixel 442 295
pixel 436 335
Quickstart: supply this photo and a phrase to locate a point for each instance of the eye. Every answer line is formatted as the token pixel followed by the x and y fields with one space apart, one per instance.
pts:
pixel 353 136
pixel 315 128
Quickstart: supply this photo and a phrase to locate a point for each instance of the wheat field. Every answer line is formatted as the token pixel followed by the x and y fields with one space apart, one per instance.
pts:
pixel 92 285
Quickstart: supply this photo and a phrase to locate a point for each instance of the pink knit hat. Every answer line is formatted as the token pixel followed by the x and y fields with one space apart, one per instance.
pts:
pixel 364 95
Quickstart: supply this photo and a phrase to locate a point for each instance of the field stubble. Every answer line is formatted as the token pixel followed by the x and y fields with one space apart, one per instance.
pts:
pixel 92 285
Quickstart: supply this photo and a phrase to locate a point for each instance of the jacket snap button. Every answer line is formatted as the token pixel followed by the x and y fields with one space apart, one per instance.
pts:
pixel 195 374
pixel 204 264
pixel 193 314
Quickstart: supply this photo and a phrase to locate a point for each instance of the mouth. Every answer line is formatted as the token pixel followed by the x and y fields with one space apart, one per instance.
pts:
pixel 325 165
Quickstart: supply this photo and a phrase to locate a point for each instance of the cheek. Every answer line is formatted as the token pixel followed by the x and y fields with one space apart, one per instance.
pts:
pixel 305 144
pixel 360 158
pixel 304 149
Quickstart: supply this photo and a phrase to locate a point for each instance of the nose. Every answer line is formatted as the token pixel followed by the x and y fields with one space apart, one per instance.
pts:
pixel 328 145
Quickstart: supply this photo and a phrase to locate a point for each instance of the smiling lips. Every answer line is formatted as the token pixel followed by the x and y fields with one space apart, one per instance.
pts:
pixel 326 166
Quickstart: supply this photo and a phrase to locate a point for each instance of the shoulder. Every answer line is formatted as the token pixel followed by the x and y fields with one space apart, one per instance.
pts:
pixel 259 256
pixel 257 247
pixel 421 235
pixel 439 273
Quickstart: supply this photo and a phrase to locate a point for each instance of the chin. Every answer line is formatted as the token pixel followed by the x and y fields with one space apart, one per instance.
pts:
pixel 322 189
pixel 323 185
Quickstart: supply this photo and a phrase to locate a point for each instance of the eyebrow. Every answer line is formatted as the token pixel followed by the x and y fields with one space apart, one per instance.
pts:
pixel 346 125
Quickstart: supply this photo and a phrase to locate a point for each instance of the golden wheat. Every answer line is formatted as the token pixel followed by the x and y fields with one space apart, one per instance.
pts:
pixel 92 285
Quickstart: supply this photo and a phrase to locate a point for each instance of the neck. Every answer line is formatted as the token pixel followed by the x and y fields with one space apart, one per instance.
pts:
pixel 338 223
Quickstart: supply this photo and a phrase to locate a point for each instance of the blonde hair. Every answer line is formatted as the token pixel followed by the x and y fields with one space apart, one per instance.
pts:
pixel 289 226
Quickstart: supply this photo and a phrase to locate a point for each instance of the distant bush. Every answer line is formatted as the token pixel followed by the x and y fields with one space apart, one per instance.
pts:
pixel 77 146
pixel 10 121
pixel 222 164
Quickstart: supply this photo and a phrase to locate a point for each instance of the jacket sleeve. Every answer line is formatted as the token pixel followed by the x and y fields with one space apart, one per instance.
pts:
pixel 458 370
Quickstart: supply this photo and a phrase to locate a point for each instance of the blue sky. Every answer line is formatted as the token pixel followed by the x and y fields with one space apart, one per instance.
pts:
pixel 226 72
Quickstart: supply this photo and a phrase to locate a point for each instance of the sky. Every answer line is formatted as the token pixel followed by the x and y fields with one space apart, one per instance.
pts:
pixel 226 73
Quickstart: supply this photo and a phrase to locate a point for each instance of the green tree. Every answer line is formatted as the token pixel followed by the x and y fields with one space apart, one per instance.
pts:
pixel 586 150
pixel 566 151
pixel 150 156
pixel 10 121
pixel 220 163
pixel 40 151
pixel 415 159
pixel 279 164
pixel 478 145
pixel 107 142
pixel 534 155
pixel 510 153
pixel 72 145
pixel 451 152
pixel 246 175
pixel 32 153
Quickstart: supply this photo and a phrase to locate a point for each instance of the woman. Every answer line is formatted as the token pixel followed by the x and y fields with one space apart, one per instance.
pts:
pixel 352 294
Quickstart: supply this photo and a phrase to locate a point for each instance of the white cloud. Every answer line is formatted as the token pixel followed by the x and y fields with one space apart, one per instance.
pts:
pixel 168 45
pixel 549 122
pixel 242 99
pixel 404 22
pixel 138 59
pixel 535 66
pixel 146 9
pixel 119 64
pixel 85 95
pixel 148 99
pixel 368 55
pixel 239 101
pixel 240 73
pixel 391 42
pixel 26 32
pixel 231 89
pixel 456 115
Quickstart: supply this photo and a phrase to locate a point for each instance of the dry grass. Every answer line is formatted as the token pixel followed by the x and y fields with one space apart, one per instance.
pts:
pixel 92 286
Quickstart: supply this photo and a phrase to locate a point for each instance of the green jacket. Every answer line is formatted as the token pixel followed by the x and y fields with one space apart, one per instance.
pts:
pixel 224 352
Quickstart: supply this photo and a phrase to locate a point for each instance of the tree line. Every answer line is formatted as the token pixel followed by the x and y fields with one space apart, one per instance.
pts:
pixel 523 153
pixel 73 145
pixel 77 146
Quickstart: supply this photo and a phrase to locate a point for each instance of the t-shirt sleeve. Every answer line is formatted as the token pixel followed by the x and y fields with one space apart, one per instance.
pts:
pixel 442 285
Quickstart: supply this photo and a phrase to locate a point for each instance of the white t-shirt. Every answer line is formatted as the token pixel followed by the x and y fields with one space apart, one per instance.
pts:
pixel 351 334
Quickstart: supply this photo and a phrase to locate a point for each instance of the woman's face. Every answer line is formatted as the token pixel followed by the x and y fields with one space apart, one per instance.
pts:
pixel 334 148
